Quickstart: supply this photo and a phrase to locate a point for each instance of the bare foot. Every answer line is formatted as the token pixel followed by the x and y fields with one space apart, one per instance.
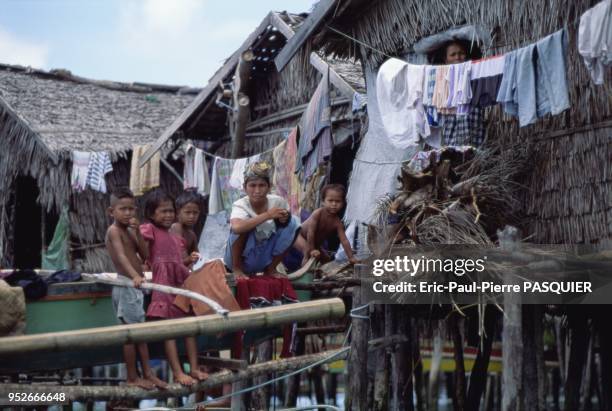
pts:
pixel 141 383
pixel 199 375
pixel 162 385
pixel 184 379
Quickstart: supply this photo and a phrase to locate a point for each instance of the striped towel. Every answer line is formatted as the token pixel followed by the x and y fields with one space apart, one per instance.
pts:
pixel 99 165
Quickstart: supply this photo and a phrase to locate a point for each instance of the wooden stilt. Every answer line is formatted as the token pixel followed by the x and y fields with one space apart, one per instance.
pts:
pixel 401 363
pixel 459 375
pixel 434 370
pixel 259 398
pixel 380 360
pixel 293 383
pixel 478 378
pixel 358 359
pixel 578 329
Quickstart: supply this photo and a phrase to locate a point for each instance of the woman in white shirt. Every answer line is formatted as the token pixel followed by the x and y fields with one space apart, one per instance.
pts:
pixel 262 228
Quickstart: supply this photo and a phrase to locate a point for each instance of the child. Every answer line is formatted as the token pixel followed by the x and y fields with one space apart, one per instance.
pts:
pixel 127 249
pixel 168 269
pixel 324 221
pixel 188 208
pixel 262 229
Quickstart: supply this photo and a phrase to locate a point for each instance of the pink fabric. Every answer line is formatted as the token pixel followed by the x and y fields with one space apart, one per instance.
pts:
pixel 168 269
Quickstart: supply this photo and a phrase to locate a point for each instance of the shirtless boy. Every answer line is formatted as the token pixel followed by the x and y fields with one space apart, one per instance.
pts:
pixel 188 213
pixel 128 250
pixel 324 222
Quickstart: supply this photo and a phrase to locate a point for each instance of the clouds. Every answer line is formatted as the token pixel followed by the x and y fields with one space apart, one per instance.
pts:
pixel 20 51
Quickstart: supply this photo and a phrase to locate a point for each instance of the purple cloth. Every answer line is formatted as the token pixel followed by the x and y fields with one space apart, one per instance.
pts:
pixel 316 142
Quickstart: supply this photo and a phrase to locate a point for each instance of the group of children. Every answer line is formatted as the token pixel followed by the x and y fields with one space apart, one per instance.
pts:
pixel 262 232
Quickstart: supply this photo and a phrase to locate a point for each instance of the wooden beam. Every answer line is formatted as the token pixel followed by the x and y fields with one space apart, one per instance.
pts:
pixel 317 62
pixel 106 393
pixel 322 66
pixel 206 93
pixel 170 329
pixel 241 118
pixel 312 22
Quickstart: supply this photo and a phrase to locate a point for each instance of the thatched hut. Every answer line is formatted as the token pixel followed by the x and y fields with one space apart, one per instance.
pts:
pixel 276 100
pixel 44 116
pixel 567 196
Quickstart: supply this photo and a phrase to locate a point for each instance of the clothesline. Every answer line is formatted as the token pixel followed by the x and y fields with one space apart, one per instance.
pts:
pixel 213 156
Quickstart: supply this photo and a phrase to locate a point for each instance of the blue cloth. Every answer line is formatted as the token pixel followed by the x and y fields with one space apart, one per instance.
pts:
pixel 258 255
pixel 552 94
pixel 534 82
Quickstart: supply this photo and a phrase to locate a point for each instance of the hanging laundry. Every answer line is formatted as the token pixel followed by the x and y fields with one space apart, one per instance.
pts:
pixel 463 130
pixel 195 171
pixel 145 178
pixel 526 89
pixel 486 77
pixel 316 144
pixel 99 165
pixel 310 199
pixel 56 257
pixel 359 102
pixel 595 39
pixel 551 92
pixel 222 194
pixel 460 92
pixel 80 170
pixel 441 91
pixel 285 181
pixel 237 177
pixel 399 91
pixel 214 237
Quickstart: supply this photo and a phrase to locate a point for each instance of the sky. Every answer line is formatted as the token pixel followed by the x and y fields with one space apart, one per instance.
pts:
pixel 177 42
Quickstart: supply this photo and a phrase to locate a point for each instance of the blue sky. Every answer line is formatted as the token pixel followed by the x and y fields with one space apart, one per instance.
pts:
pixel 180 42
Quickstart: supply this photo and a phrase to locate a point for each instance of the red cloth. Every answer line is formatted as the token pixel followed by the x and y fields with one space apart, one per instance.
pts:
pixel 168 269
pixel 264 290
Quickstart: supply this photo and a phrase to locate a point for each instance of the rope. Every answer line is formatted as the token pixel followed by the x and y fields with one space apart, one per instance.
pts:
pixel 358 41
pixel 363 317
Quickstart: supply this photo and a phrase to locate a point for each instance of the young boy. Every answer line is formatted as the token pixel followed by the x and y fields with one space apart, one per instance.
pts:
pixel 324 222
pixel 128 250
pixel 188 213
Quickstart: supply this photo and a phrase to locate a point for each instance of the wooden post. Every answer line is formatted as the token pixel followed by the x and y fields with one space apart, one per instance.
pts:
pixel 436 362
pixel 259 398
pixel 478 379
pixel 242 107
pixel 358 358
pixel 579 337
pixel 512 334
pixel 293 383
pixel 459 375
pixel 401 362
pixel 380 360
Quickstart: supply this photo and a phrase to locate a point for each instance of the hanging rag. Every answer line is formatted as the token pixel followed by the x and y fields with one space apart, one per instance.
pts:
pixel 399 96
pixel 316 143
pixel 285 181
pixel 595 39
pixel 195 171
pixel 486 78
pixel 551 92
pixel 222 193
pixel 56 255
pixel 214 236
pixel 145 178
pixel 99 165
pixel 80 170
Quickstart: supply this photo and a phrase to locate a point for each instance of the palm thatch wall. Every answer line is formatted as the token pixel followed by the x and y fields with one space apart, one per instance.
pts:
pixel 44 116
pixel 570 186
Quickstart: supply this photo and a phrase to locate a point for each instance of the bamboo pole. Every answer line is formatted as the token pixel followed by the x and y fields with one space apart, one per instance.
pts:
pixel 106 393
pixel 170 329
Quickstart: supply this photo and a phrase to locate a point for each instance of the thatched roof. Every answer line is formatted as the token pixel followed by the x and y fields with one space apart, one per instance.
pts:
pixel 205 120
pixel 569 196
pixel 71 113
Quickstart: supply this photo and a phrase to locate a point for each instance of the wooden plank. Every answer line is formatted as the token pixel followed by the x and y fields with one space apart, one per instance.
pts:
pixel 322 66
pixel 312 22
pixel 204 95
pixel 317 62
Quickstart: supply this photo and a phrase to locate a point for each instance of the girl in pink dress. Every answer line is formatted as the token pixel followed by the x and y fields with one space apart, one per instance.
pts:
pixel 168 269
